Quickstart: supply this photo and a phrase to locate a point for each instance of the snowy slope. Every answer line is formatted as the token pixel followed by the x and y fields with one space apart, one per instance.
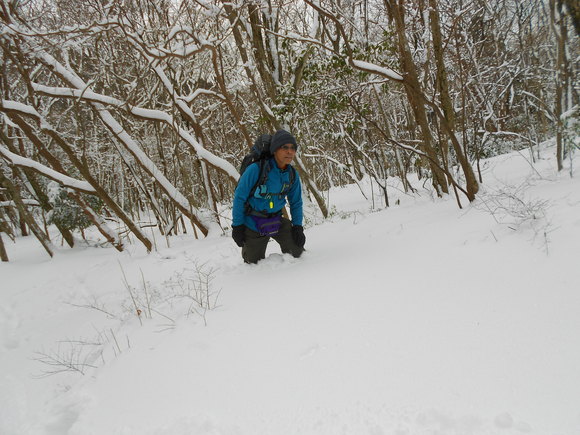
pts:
pixel 418 319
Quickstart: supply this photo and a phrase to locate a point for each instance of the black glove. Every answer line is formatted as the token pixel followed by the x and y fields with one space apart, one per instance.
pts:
pixel 239 234
pixel 298 236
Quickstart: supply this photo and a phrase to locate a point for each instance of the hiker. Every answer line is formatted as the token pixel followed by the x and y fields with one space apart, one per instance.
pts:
pixel 260 198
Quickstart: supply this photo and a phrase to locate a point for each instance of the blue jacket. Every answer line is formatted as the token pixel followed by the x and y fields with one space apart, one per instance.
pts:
pixel 277 179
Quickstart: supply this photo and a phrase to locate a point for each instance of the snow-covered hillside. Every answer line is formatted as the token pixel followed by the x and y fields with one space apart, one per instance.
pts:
pixel 419 319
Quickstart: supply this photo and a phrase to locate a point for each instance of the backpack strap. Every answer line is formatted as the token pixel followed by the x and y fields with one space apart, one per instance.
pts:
pixel 291 177
pixel 262 178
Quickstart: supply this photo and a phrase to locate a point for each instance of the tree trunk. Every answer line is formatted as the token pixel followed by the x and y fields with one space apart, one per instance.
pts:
pixel 260 52
pixel 3 254
pixel 415 96
pixel 234 19
pixel 28 218
pixel 560 33
pixel 448 117
pixel 3 228
pixel 217 67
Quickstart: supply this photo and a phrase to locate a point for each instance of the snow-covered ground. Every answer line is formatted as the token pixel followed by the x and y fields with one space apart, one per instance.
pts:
pixel 422 318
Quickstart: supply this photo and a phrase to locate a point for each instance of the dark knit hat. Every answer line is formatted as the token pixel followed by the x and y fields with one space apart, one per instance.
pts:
pixel 281 137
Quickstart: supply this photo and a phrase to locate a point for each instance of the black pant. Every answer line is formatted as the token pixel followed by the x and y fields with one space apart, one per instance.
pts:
pixel 254 248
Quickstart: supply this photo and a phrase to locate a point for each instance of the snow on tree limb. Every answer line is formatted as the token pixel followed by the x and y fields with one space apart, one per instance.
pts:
pixel 199 92
pixel 14 29
pixel 149 114
pixel 376 69
pixel 31 202
pixel 65 180
pixel 19 107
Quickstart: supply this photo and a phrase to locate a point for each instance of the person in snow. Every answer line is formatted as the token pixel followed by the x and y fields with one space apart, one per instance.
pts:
pixel 258 217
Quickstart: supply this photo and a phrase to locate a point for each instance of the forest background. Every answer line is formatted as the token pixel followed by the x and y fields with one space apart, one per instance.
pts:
pixel 128 114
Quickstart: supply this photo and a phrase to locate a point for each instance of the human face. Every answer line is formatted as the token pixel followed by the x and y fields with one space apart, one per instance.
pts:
pixel 284 155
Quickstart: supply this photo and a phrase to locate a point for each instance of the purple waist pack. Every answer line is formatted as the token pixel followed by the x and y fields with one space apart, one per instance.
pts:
pixel 268 226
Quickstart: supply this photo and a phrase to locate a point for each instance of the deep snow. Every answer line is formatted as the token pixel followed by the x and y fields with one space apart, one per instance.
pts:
pixel 418 319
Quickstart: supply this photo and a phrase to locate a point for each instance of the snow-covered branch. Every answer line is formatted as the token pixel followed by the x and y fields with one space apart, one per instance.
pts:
pixel 65 180
pixel 505 133
pixel 98 27
pixel 31 202
pixel 148 114
pixel 199 92
pixel 376 69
